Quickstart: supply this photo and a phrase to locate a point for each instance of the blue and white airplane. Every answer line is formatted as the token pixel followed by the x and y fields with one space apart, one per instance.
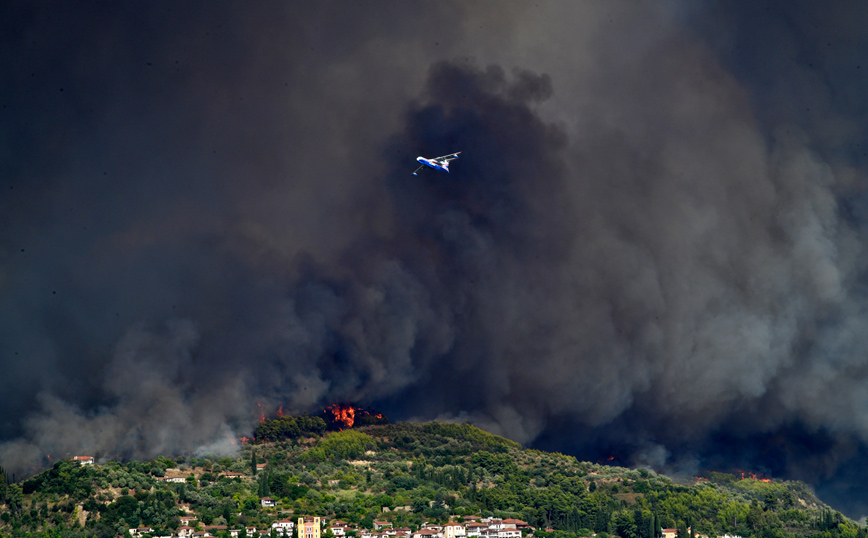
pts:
pixel 437 163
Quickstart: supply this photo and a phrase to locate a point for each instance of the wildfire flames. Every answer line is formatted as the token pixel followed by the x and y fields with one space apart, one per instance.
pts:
pixel 342 414
pixel 345 415
pixel 754 476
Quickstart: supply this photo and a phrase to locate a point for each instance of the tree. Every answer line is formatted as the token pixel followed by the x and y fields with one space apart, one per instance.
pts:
pixel 253 462
pixel 264 489
pixel 3 482
pixel 14 497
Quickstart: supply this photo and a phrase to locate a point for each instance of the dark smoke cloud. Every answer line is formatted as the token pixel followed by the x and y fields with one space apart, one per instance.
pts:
pixel 650 249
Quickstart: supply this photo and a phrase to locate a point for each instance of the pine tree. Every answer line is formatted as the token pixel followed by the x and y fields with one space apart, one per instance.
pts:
pixel 264 489
pixel 253 462
pixel 3 482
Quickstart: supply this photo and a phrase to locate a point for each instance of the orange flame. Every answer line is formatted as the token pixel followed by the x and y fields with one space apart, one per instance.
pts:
pixel 280 410
pixel 244 440
pixel 343 414
pixel 753 476
pixel 261 414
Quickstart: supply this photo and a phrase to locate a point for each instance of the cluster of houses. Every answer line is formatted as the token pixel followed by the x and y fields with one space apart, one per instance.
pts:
pixel 472 526
pixel 311 527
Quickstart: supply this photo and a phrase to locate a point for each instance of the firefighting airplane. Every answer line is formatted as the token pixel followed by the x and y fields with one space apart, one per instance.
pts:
pixel 437 163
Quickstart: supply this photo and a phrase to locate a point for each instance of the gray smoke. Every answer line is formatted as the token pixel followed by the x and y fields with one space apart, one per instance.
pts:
pixel 648 249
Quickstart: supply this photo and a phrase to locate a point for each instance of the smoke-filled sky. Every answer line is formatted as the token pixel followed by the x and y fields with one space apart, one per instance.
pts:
pixel 653 246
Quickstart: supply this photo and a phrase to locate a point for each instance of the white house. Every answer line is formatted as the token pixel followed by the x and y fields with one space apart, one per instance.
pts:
pixel 83 460
pixel 476 529
pixel 454 530
pixel 267 502
pixel 284 524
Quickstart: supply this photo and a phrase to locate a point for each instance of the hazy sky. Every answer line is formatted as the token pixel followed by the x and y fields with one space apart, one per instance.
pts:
pixel 653 246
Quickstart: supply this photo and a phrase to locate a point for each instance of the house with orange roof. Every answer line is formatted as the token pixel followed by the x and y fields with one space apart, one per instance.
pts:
pixel 454 530
pixel 283 527
pixel 308 527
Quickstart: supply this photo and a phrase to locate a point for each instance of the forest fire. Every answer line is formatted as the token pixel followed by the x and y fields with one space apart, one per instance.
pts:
pixel 340 416
pixel 754 476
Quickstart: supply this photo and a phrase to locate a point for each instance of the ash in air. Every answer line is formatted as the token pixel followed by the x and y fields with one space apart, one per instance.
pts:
pixel 651 247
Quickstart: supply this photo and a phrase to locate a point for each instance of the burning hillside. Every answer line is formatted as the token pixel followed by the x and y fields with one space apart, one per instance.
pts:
pixel 342 416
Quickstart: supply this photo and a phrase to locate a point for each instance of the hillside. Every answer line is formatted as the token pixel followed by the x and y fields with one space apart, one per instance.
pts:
pixel 407 474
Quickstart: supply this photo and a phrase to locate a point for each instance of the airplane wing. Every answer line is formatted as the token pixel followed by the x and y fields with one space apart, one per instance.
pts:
pixel 447 158
pixel 415 172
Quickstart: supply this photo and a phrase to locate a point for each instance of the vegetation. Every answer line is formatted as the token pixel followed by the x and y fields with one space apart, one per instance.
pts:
pixel 408 474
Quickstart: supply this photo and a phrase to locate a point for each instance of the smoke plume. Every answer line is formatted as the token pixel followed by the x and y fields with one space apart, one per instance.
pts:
pixel 650 249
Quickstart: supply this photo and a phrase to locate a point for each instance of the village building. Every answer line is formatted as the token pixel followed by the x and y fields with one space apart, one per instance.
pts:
pixel 138 531
pixel 475 529
pixel 83 460
pixel 283 527
pixel 308 527
pixel 454 530
pixel 186 531
pixel 381 524
pixel 267 502
pixel 186 520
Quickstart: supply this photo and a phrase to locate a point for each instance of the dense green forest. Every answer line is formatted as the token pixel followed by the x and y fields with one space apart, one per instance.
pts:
pixel 407 473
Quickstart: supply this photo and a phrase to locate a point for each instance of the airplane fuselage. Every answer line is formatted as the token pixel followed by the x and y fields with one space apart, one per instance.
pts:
pixel 433 164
